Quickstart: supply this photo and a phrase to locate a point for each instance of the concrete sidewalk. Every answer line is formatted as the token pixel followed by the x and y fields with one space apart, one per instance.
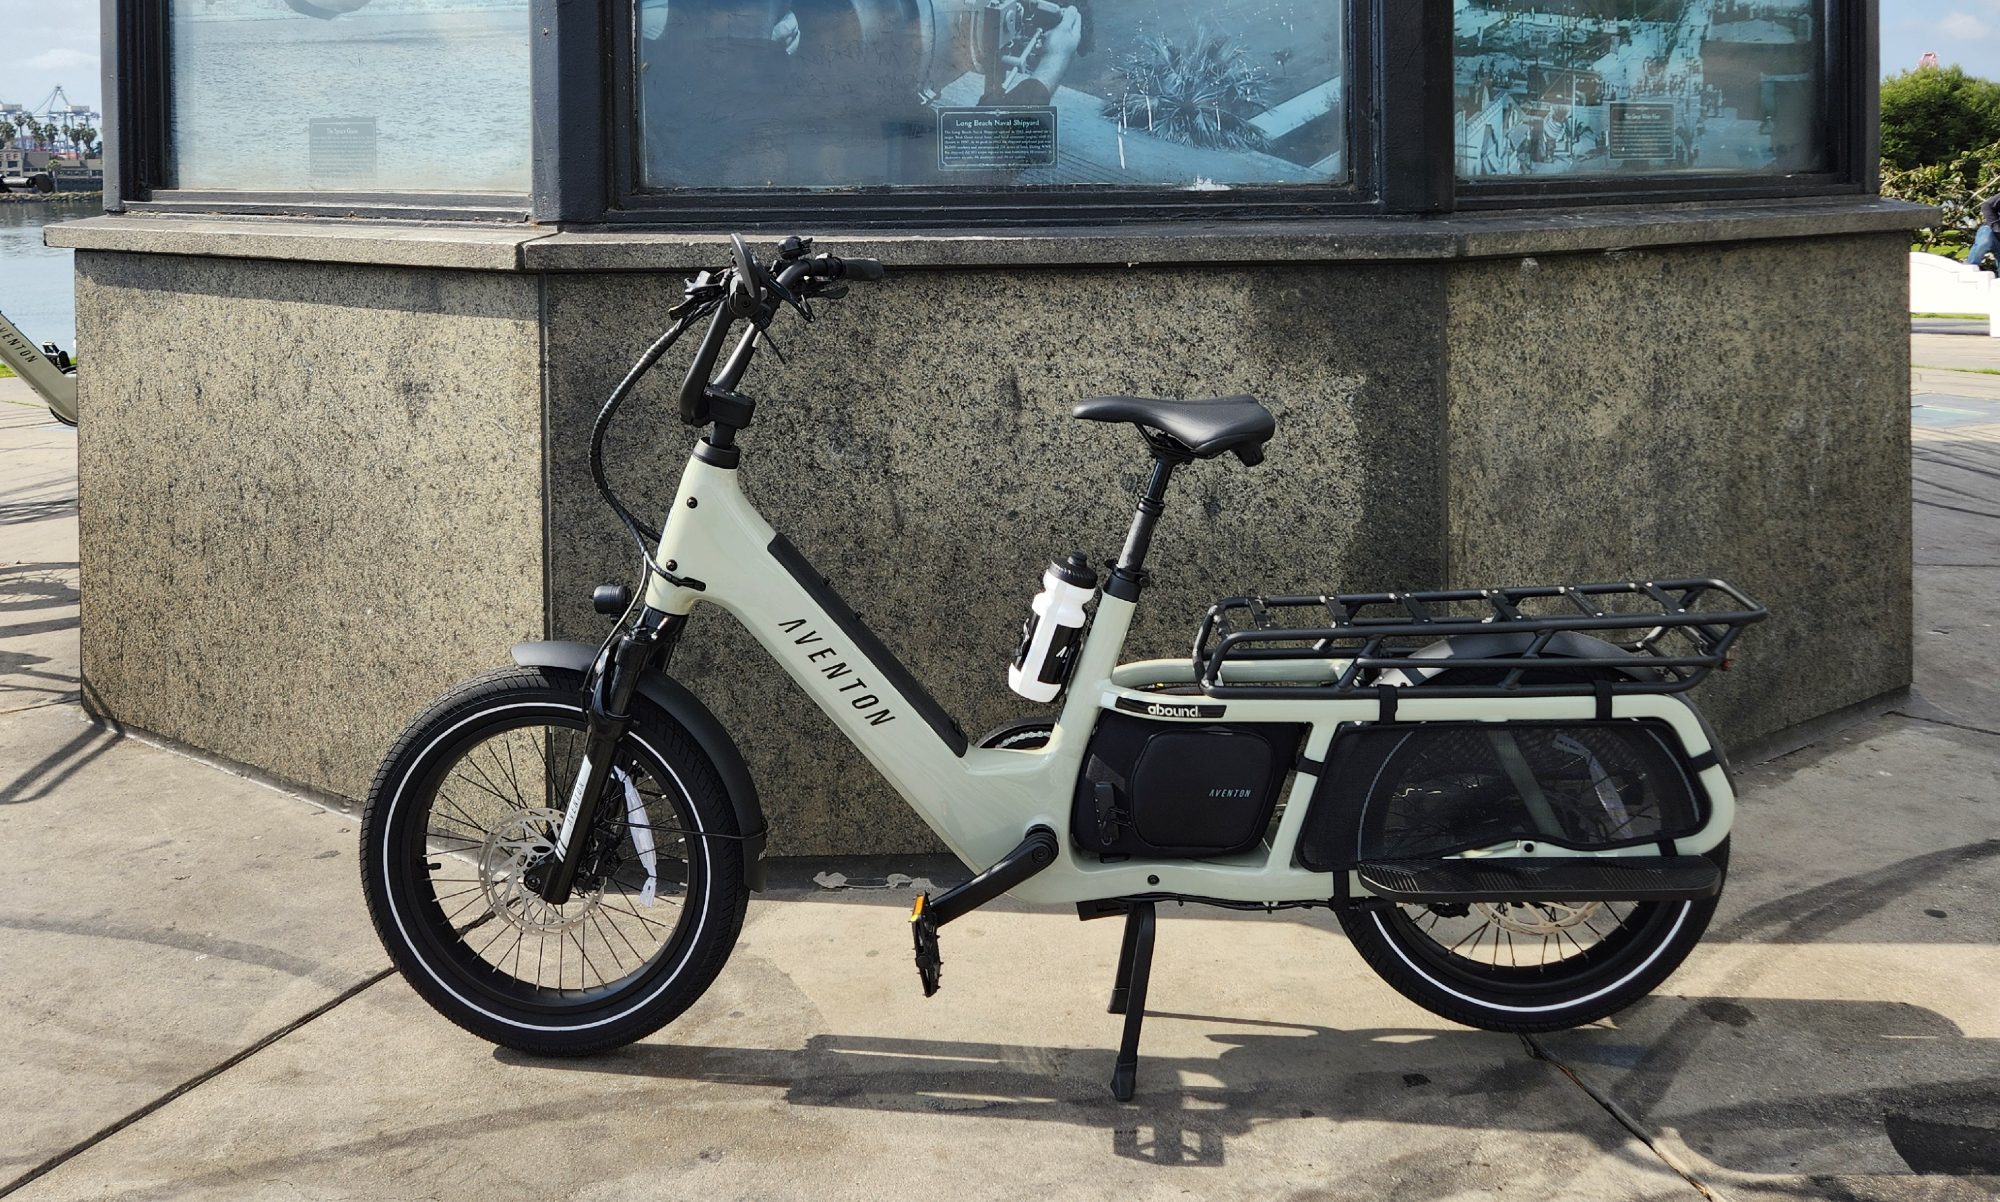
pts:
pixel 217 1003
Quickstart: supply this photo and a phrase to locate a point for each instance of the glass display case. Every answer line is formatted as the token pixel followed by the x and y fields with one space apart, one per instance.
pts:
pixel 714 112
pixel 1618 87
pixel 858 93
pixel 349 95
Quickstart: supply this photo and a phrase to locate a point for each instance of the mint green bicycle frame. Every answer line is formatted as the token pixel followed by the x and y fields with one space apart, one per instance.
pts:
pixel 982 804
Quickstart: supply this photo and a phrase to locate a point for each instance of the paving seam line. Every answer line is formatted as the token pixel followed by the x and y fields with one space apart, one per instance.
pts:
pixel 65 699
pixel 331 803
pixel 194 1082
pixel 1978 730
pixel 1538 1052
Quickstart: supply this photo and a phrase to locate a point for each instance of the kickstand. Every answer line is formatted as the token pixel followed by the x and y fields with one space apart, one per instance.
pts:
pixel 1128 995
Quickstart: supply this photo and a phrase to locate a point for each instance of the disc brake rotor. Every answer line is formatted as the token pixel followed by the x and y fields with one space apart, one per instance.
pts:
pixel 511 849
pixel 1544 919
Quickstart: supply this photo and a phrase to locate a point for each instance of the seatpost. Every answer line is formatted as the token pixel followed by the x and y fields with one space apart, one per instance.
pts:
pixel 1130 574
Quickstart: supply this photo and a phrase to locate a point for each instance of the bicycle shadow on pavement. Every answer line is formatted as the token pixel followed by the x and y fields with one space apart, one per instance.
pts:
pixel 37 600
pixel 1873 1089
pixel 1186 1108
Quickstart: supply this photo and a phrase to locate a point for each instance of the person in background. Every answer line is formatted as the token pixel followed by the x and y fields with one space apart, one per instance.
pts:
pixel 1059 46
pixel 1986 243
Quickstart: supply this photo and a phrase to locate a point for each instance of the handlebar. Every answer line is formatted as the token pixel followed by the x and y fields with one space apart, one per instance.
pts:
pixel 857 269
pixel 753 293
pixel 693 411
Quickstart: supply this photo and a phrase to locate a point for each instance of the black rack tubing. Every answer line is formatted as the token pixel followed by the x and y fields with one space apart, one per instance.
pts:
pixel 1348 605
pixel 1713 633
pixel 1696 667
pixel 1237 692
pixel 1694 585
pixel 1399 656
pixel 1699 623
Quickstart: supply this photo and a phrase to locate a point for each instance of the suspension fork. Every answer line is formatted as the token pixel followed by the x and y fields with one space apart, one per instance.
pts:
pixel 610 689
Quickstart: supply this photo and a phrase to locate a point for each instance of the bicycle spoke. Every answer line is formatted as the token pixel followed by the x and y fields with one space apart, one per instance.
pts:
pixel 1481 929
pixel 494 815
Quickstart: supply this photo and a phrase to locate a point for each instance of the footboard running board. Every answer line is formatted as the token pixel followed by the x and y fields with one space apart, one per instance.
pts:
pixel 1549 878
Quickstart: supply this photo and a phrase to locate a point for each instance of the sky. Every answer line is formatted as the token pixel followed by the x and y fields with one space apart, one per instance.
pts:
pixel 45 43
pixel 1966 32
pixel 50 42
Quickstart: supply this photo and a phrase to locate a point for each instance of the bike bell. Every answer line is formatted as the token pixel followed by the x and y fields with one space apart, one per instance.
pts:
pixel 1053 633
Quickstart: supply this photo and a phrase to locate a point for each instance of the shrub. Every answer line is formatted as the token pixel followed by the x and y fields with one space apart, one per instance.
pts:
pixel 1956 187
pixel 1203 94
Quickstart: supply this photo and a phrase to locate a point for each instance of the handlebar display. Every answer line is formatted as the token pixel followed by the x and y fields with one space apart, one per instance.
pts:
pixel 746 286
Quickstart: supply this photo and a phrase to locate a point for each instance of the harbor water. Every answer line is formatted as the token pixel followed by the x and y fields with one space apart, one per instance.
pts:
pixel 37 283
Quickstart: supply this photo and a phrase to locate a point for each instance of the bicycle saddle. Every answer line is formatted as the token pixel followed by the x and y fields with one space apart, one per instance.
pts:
pixel 1205 428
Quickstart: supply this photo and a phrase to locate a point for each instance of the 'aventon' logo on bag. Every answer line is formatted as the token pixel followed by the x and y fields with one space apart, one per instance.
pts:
pixel 837 670
pixel 1229 792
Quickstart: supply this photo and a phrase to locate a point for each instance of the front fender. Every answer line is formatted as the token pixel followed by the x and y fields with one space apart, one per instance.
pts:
pixel 685 708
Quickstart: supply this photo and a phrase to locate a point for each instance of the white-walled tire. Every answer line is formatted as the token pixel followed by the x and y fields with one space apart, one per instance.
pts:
pixel 1460 976
pixel 461 807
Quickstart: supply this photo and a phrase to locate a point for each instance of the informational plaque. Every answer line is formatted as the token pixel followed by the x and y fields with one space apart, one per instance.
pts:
pixel 985 139
pixel 341 152
pixel 1640 129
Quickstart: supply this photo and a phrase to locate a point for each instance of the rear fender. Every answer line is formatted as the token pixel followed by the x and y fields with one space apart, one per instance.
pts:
pixel 694 717
pixel 1565 645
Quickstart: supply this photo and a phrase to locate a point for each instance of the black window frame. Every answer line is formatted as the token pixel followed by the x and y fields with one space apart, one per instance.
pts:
pixel 584 144
pixel 913 206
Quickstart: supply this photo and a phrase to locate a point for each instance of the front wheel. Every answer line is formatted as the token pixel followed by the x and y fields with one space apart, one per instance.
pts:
pixel 464 809
pixel 1529 966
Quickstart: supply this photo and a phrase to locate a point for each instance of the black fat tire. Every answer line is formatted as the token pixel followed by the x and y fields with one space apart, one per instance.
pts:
pixel 420 941
pixel 1645 951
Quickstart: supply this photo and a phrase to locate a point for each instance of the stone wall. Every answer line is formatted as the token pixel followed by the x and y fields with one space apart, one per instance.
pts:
pixel 1739 410
pixel 315 495
pixel 310 499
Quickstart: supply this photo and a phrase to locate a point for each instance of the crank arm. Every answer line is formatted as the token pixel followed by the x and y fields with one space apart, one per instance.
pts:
pixel 1035 853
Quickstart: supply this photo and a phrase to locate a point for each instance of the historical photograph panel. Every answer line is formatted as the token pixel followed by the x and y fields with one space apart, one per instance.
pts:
pixel 1594 87
pixel 864 93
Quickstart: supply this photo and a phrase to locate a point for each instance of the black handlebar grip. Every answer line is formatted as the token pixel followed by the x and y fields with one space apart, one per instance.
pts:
pixel 860 269
pixel 694 404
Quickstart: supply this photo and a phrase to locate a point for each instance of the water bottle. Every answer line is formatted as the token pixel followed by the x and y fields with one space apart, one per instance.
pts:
pixel 1053 633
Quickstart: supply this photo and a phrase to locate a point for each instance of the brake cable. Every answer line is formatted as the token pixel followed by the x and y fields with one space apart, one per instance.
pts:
pixel 704 294
pixel 602 426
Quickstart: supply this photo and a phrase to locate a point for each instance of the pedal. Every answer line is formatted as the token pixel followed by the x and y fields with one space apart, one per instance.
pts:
pixel 924 935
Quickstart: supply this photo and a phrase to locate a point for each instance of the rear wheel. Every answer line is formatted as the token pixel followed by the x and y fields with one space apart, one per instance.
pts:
pixel 462 813
pixel 1529 966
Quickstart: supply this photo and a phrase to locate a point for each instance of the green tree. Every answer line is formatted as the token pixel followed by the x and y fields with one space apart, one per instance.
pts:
pixel 1956 188
pixel 1932 115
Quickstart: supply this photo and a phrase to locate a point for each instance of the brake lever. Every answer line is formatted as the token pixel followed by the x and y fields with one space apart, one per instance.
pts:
pixel 700 292
pixel 785 294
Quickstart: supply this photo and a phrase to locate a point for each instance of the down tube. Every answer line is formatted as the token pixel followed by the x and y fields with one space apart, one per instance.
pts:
pixel 724 543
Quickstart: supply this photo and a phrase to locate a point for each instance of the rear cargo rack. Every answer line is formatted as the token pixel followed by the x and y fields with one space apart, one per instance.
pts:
pixel 1361 641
